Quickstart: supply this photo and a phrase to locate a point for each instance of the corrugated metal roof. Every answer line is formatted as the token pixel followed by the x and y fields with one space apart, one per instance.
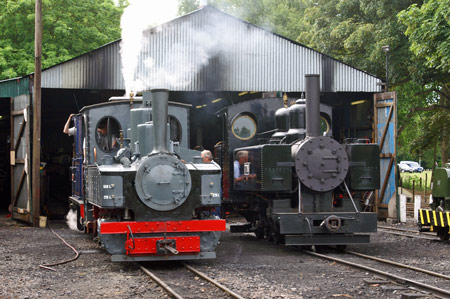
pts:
pixel 208 50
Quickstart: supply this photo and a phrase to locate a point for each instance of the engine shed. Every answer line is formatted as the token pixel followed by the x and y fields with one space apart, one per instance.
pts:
pixel 216 61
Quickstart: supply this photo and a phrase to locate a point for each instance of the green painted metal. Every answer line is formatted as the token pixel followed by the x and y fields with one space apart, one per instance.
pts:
pixel 272 165
pixel 441 182
pixel 14 87
pixel 364 161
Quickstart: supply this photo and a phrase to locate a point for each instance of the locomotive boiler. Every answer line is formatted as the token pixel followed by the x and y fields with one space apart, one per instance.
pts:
pixel 138 187
pixel 302 187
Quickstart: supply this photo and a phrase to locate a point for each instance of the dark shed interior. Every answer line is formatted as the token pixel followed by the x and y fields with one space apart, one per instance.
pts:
pixel 350 120
pixel 5 170
pixel 57 148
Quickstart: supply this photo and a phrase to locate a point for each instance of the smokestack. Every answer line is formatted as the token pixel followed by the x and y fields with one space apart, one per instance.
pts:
pixel 160 106
pixel 312 90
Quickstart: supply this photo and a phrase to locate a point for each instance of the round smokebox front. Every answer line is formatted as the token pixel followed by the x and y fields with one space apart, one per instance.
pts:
pixel 321 163
pixel 163 182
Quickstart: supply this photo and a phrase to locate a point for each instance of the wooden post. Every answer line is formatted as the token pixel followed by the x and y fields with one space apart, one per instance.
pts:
pixel 36 156
pixel 426 185
pixel 414 189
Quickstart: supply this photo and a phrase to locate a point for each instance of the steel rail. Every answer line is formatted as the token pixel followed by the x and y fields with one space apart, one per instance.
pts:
pixel 443 292
pixel 409 236
pixel 398 264
pixel 406 230
pixel 217 284
pixel 161 283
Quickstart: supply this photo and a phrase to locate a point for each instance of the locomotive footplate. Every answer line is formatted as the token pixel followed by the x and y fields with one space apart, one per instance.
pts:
pixel 321 229
pixel 184 257
pixel 159 240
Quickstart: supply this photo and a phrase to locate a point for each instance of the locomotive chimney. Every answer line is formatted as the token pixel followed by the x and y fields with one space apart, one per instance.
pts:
pixel 160 105
pixel 312 89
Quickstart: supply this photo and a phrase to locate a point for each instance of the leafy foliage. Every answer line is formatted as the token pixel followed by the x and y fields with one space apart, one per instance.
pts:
pixel 355 30
pixel 70 28
pixel 429 32
pixel 420 181
pixel 283 17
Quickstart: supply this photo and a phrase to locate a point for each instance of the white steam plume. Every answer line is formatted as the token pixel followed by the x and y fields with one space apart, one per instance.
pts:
pixel 182 59
pixel 189 45
pixel 71 219
pixel 137 17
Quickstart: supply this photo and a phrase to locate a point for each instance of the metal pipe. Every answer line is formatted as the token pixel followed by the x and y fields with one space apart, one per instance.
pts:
pixel 146 99
pixel 160 106
pixel 312 90
pixel 351 198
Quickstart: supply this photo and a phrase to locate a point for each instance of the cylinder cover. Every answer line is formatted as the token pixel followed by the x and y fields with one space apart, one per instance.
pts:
pixel 163 182
pixel 321 163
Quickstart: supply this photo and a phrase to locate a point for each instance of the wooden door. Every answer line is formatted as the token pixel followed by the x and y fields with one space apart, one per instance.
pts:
pixel 21 204
pixel 385 107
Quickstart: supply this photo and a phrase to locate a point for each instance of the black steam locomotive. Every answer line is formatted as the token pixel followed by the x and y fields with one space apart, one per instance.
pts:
pixel 137 185
pixel 298 186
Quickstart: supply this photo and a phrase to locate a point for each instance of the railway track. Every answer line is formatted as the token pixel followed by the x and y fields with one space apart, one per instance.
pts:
pixel 408 233
pixel 433 283
pixel 186 280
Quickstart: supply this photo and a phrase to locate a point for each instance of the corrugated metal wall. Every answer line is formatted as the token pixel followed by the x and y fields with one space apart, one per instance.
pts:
pixel 210 51
pixel 99 69
pixel 14 87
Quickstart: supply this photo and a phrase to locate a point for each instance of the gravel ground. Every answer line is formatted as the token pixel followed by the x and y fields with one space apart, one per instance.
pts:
pixel 250 267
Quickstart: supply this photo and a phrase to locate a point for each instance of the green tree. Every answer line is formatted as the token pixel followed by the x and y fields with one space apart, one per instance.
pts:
pixel 283 17
pixel 70 28
pixel 428 31
pixel 355 30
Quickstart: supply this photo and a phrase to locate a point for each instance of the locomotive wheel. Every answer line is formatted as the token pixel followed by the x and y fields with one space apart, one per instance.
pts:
pixel 259 232
pixel 443 234
pixel 279 239
pixel 79 219
pixel 275 237
pixel 306 247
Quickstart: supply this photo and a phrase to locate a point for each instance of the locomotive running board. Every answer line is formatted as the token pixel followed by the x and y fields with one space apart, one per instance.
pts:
pixel 326 239
pixel 310 223
pixel 127 258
